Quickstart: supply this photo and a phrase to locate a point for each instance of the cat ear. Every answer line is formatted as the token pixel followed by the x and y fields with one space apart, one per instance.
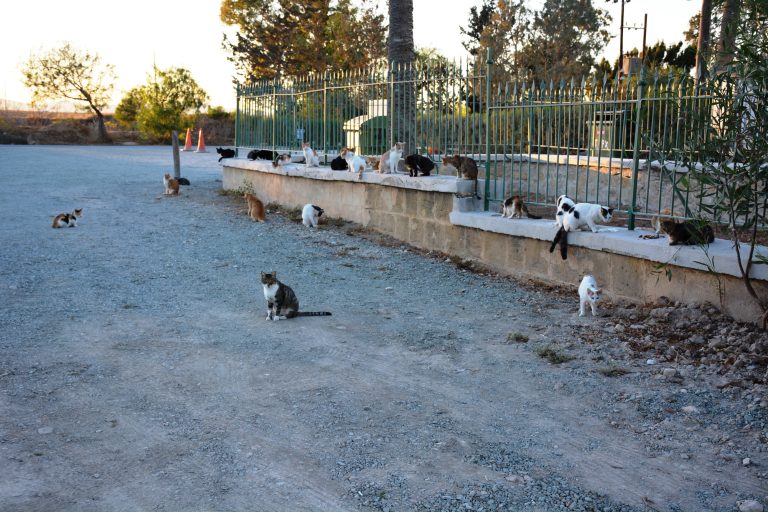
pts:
pixel 590 292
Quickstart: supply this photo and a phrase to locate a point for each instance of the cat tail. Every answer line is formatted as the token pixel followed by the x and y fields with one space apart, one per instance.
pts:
pixel 530 215
pixel 564 245
pixel 558 235
pixel 313 313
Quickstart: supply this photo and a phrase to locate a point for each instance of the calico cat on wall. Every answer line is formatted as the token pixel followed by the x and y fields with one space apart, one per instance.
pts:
pixel 311 158
pixel 416 164
pixel 466 168
pixel 514 207
pixel 354 163
pixel 280 160
pixel 390 159
pixel 282 302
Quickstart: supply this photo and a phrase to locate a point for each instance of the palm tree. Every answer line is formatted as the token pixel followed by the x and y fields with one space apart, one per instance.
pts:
pixel 401 55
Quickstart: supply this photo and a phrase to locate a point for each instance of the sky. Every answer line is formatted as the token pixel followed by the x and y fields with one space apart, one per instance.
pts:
pixel 134 35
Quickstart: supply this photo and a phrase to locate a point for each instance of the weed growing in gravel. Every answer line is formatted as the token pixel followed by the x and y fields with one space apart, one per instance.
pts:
pixel 517 337
pixel 359 230
pixel 333 221
pixel 240 191
pixel 292 214
pixel 461 263
pixel 553 354
pixel 612 371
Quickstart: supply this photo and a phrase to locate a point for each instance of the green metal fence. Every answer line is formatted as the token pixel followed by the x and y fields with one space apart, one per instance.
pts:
pixel 598 140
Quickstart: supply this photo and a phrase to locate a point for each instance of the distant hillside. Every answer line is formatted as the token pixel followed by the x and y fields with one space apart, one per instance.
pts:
pixel 38 127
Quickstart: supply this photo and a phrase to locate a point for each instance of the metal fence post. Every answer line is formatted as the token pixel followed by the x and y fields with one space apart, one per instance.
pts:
pixel 325 116
pixel 237 118
pixel 274 113
pixel 636 150
pixel 488 65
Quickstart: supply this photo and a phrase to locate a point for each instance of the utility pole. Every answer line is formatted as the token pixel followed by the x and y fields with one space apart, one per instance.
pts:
pixel 645 32
pixel 621 34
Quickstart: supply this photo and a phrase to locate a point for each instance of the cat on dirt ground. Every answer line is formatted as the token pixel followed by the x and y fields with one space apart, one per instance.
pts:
pixel 225 153
pixel 416 164
pixel 64 220
pixel 310 215
pixel 255 207
pixel 514 207
pixel 354 162
pixel 281 300
pixel 311 158
pixel 589 293
pixel 687 233
pixel 466 168
pixel 171 185
pixel 390 159
pixel 577 217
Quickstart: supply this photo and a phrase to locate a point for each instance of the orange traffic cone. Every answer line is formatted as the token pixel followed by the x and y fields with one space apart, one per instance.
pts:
pixel 188 142
pixel 200 143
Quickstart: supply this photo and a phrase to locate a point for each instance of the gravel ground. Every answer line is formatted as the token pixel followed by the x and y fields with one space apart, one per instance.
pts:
pixel 138 373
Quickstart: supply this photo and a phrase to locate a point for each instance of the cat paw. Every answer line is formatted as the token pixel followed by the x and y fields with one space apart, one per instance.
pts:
pixel 581 314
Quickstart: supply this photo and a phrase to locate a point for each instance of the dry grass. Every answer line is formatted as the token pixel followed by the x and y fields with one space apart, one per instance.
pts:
pixel 517 337
pixel 612 371
pixel 554 354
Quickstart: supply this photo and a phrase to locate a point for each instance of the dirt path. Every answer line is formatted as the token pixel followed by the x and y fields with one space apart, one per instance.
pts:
pixel 138 373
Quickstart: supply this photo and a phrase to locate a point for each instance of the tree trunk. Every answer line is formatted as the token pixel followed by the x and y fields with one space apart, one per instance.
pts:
pixel 102 128
pixel 702 48
pixel 728 29
pixel 401 55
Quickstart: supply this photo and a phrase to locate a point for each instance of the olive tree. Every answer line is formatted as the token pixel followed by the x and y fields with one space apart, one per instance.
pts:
pixel 159 106
pixel 67 73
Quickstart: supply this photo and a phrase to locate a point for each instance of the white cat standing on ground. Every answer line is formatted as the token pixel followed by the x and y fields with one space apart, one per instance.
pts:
pixel 311 157
pixel 589 293
pixel 310 215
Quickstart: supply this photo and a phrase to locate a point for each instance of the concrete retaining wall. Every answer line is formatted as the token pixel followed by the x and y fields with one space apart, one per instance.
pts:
pixel 426 213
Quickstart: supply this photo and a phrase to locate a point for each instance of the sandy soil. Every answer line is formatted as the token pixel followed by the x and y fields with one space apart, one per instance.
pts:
pixel 137 371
